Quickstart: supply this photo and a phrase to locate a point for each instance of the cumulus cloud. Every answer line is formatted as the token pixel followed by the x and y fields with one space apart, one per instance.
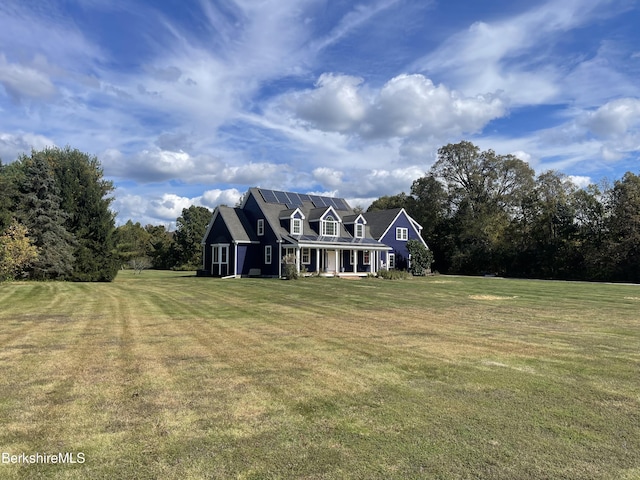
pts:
pixel 13 145
pixel 406 106
pixel 615 119
pixel 151 165
pixel 335 104
pixel 328 177
pixel 215 197
pixel 169 206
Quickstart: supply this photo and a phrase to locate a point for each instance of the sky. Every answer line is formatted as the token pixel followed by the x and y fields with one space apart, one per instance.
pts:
pixel 191 102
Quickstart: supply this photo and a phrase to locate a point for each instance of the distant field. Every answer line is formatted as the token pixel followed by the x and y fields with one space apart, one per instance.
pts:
pixel 169 376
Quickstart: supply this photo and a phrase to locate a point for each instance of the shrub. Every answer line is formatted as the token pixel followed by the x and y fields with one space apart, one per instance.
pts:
pixel 394 274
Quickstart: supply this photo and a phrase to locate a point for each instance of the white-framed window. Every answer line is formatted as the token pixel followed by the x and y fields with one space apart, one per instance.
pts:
pixel 260 227
pixel 296 226
pixel 402 233
pixel 330 227
pixel 359 230
pixel 352 257
pixel 267 254
pixel 392 261
pixel 306 256
pixel 366 257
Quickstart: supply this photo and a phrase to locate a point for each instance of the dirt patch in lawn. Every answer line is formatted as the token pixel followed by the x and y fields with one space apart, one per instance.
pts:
pixel 490 297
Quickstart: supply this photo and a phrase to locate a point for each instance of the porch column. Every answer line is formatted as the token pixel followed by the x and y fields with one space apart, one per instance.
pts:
pixel 337 261
pixel 298 259
pixel 235 259
pixel 354 253
pixel 317 260
pixel 374 264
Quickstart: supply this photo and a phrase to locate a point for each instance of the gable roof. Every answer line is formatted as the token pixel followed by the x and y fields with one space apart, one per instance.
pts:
pixel 380 221
pixel 237 223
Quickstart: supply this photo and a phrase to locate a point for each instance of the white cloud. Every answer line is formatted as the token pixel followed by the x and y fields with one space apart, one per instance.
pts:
pixel 334 105
pixel 407 106
pixel 215 197
pixel 615 119
pixel 13 145
pixel 20 81
pixel 580 180
pixel 169 206
pixel 328 177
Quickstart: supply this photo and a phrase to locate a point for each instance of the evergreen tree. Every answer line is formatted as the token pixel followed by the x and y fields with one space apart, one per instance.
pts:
pixel 42 215
pixel 85 197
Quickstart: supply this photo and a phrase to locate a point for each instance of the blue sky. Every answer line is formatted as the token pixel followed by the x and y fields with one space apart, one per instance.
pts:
pixel 192 102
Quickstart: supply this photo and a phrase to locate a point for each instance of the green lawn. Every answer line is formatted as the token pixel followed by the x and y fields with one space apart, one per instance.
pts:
pixel 170 376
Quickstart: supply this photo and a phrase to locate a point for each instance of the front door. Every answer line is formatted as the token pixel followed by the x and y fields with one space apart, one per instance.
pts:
pixel 220 261
pixel 330 261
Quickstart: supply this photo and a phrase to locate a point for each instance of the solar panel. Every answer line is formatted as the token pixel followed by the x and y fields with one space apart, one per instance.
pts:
pixel 294 200
pixel 317 201
pixel 340 204
pixel 268 196
pixel 281 197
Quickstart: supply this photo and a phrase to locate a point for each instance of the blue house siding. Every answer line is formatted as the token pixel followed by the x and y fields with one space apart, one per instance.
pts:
pixel 399 246
pixel 219 233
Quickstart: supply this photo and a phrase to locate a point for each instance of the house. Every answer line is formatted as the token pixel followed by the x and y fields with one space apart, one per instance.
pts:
pixel 322 235
pixel 394 227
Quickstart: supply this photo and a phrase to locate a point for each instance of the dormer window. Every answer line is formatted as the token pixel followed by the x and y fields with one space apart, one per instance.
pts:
pixel 260 227
pixel 359 230
pixel 330 226
pixel 296 226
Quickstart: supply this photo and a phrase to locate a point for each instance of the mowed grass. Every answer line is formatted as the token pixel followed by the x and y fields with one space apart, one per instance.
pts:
pixel 170 376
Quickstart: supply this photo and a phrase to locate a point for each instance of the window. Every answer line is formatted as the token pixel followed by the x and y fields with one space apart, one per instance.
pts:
pixel 260 227
pixel 392 261
pixel 296 226
pixel 402 233
pixel 306 256
pixel 330 227
pixel 352 257
pixel 267 254
pixel 366 257
pixel 359 230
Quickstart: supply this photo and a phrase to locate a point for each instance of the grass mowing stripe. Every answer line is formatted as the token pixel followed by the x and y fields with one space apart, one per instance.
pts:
pixel 164 375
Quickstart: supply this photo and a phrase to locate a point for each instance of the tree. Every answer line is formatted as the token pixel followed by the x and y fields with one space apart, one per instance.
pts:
pixel 17 251
pixel 484 192
pixel 162 250
pixel 190 228
pixel 624 227
pixel 85 196
pixel 388 202
pixel 10 177
pixel 132 242
pixel 421 257
pixel 41 213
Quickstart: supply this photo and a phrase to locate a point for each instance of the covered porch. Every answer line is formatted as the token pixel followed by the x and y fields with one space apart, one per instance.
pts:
pixel 334 260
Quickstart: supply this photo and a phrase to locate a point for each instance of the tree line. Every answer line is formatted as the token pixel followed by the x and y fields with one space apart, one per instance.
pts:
pixel 482 213
pixel 485 213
